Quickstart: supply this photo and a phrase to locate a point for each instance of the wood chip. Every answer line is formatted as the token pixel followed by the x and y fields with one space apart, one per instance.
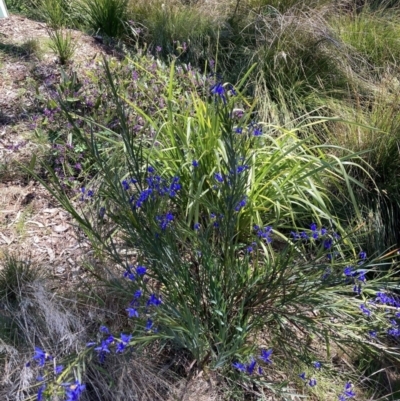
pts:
pixel 51 253
pixel 60 228
pixel 6 240
pixel 51 211
pixel 35 222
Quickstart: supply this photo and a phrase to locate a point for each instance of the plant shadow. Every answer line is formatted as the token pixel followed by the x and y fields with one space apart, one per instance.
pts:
pixel 27 50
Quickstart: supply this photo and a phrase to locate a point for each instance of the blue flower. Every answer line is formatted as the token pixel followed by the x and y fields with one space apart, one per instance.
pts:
pixel 125 185
pixel 266 355
pixel 149 324
pixel 143 197
pixel 251 366
pixel 195 163
pixel 103 349
pixel 40 356
pixel 257 130
pixel 196 226
pixel 128 273
pixel 362 255
pixel 238 130
pixel 241 204
pixel 165 221
pixel 386 299
pixel 239 366
pixel 124 341
pixel 242 168
pixel 365 310
pixel 174 187
pixel 219 177
pixel 302 376
pixel 304 235
pixel 125 338
pixel 150 169
pixel 40 392
pixel 74 391
pixel 314 230
pixel 348 392
pixel 394 332
pixel 312 382
pixel 58 369
pixel 373 333
pixel 153 300
pixel 104 329
pixel 295 235
pixel 349 272
pixel 264 233
pixel 317 365
pixel 328 243
pixel 132 312
pixel 361 276
pixel 326 273
pixel 141 270
pixel 323 231
pixel 219 91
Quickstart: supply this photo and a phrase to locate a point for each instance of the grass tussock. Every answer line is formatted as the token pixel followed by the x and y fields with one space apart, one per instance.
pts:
pixel 374 35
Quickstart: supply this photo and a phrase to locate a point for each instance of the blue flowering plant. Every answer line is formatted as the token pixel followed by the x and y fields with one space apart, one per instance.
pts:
pixel 201 279
pixel 51 379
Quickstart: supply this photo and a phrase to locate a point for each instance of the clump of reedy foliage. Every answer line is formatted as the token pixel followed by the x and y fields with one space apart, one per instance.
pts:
pixel 204 282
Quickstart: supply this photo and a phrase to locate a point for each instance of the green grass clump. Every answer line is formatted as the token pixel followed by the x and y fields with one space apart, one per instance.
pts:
pixel 62 44
pixel 15 276
pixel 24 7
pixel 375 35
pixel 376 135
pixel 107 17
pixel 182 30
pixel 300 60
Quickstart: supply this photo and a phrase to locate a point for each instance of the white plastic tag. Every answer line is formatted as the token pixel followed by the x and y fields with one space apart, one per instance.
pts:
pixel 3 9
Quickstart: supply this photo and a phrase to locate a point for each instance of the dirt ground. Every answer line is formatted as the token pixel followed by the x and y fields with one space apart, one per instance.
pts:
pixel 32 225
